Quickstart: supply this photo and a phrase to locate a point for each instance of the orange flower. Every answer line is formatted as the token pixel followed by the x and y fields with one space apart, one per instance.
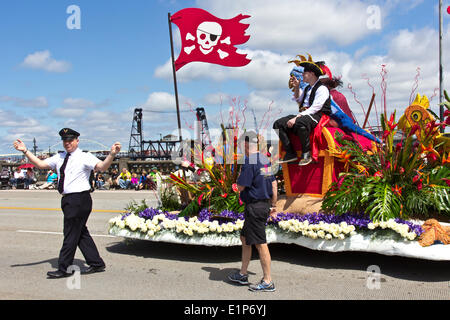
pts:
pixel 397 190
pixel 362 169
pixel 445 159
pixel 428 149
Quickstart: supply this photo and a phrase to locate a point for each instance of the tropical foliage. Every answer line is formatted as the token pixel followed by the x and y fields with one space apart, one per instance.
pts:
pixel 215 184
pixel 406 178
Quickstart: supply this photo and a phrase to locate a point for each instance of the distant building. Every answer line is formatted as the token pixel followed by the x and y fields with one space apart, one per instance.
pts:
pixel 170 137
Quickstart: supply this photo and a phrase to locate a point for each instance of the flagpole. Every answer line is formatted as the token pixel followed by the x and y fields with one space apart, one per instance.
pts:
pixel 441 89
pixel 175 79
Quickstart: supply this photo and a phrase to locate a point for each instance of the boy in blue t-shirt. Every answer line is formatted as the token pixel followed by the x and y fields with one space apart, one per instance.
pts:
pixel 258 190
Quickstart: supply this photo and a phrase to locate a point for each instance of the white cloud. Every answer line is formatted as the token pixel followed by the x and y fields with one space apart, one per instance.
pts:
pixel 42 60
pixel 297 24
pixel 68 112
pixel 267 70
pixel 38 102
pixel 78 103
pixel 267 74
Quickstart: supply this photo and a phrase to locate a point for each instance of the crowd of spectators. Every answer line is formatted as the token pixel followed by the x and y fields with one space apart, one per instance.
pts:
pixel 22 178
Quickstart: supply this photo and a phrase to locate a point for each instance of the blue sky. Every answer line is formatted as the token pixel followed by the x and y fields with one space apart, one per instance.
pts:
pixel 92 78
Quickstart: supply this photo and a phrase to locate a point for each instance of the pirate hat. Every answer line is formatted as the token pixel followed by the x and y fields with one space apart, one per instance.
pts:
pixel 308 65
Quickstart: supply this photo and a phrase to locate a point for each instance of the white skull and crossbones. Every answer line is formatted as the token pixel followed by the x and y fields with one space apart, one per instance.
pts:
pixel 208 36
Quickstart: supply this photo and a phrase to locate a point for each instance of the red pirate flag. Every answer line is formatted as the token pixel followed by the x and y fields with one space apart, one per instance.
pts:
pixel 207 38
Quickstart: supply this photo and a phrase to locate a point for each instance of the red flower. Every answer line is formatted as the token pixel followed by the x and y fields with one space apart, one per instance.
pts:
pixel 378 174
pixel 416 178
pixel 432 156
pixel 447 181
pixel 446 113
pixel 419 185
pixel 340 181
pixel 234 187
pixel 413 130
pixel 385 134
pixel 388 165
pixel 398 147
pixel 199 200
pixel 391 123
pixel 224 195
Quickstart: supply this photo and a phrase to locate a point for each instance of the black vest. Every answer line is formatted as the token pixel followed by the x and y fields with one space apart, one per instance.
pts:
pixel 326 108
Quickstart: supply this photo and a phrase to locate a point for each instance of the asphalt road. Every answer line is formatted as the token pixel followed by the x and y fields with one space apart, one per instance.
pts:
pixel 31 236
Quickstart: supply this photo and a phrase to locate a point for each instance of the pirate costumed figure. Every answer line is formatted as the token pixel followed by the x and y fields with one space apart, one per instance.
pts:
pixel 314 101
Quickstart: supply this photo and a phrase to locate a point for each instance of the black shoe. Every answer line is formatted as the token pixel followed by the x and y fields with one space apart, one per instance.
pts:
pixel 58 274
pixel 306 159
pixel 289 157
pixel 93 269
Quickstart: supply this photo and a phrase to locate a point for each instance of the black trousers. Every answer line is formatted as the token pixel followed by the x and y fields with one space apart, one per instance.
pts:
pixel 302 128
pixel 77 208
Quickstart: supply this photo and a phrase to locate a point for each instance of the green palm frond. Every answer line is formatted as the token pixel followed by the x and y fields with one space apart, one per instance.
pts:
pixel 384 204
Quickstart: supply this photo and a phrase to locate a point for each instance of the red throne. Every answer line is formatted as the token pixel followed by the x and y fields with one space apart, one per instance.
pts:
pixel 315 179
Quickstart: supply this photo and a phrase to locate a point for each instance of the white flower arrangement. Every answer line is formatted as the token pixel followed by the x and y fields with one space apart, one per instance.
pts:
pixel 195 227
pixel 180 226
pixel 400 228
pixel 321 230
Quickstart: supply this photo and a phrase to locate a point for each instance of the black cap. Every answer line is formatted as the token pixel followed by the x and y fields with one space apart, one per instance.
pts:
pixel 68 134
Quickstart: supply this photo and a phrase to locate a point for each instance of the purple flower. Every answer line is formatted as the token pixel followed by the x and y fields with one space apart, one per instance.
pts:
pixel 359 220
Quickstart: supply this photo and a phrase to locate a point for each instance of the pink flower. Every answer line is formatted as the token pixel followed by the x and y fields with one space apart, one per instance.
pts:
pixel 200 199
pixel 234 187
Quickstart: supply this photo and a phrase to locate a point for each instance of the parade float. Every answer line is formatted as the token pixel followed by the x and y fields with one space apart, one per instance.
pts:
pixel 378 195
pixel 385 200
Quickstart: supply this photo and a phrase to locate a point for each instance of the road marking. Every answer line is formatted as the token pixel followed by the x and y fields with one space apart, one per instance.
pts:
pixel 57 209
pixel 60 233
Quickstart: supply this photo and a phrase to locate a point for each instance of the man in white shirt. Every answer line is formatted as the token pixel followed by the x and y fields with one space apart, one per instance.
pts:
pixel 18 177
pixel 73 168
pixel 313 101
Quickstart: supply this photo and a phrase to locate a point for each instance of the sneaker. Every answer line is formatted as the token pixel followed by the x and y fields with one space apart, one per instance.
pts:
pixel 306 159
pixel 239 278
pixel 288 158
pixel 262 286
